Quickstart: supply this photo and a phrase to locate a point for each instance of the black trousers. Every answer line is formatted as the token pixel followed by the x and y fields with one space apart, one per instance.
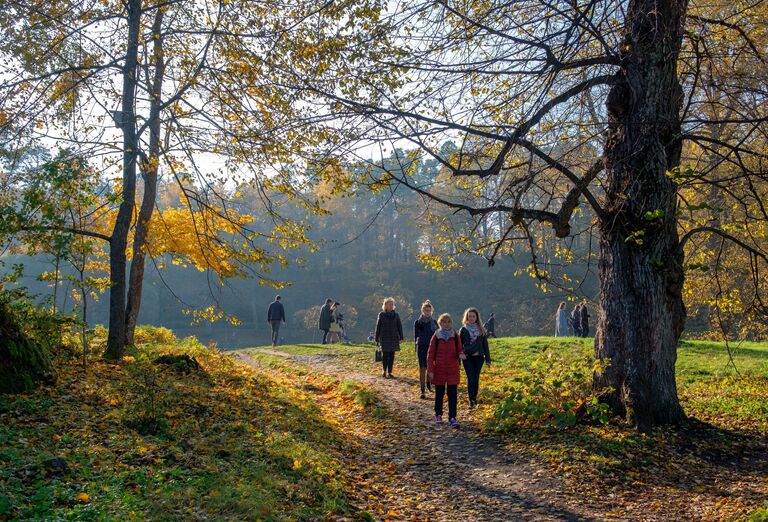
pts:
pixel 472 367
pixel 453 395
pixel 387 361
pixel 325 336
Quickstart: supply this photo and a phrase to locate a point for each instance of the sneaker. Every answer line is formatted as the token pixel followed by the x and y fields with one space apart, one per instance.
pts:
pixel 384 375
pixel 471 404
pixel 391 376
pixel 438 419
pixel 423 395
pixel 429 388
pixel 453 423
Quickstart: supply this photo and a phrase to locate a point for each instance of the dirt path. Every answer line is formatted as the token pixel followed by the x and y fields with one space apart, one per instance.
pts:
pixel 412 469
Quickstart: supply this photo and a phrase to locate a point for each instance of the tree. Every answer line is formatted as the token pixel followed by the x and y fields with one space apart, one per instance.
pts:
pixel 575 102
pixel 76 67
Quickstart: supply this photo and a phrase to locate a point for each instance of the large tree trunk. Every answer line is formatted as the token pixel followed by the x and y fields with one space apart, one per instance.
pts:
pixel 641 277
pixel 119 239
pixel 149 171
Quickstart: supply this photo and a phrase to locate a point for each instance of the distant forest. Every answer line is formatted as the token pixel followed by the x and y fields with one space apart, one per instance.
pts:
pixel 366 248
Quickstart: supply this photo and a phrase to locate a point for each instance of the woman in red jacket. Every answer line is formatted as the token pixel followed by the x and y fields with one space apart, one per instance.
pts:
pixel 443 368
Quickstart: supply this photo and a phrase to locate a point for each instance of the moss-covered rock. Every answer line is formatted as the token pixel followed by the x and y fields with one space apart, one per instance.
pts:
pixel 23 363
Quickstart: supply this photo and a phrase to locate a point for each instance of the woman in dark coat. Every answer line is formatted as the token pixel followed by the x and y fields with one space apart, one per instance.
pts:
pixel 474 342
pixel 423 328
pixel 389 333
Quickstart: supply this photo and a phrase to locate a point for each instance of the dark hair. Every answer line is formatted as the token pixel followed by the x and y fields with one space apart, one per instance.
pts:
pixel 337 303
pixel 277 297
pixel 328 301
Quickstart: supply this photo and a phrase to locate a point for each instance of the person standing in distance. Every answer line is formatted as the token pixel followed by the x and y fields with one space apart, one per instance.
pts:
pixel 325 319
pixel 561 321
pixel 389 333
pixel 576 320
pixel 275 314
pixel 584 319
pixel 490 326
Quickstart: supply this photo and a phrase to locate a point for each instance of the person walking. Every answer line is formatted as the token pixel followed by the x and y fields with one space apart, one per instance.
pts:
pixel 561 321
pixel 584 313
pixel 423 329
pixel 576 320
pixel 275 314
pixel 443 367
pixel 325 319
pixel 474 342
pixel 490 326
pixel 389 333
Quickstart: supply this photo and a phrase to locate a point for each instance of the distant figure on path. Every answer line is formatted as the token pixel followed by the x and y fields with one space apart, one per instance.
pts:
pixel 423 329
pixel 576 320
pixel 275 314
pixel 474 344
pixel 490 326
pixel 584 319
pixel 561 321
pixel 325 319
pixel 334 335
pixel 443 366
pixel 389 333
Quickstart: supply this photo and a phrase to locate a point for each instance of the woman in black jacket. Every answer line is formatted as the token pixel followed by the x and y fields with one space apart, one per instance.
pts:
pixel 389 333
pixel 475 344
pixel 423 329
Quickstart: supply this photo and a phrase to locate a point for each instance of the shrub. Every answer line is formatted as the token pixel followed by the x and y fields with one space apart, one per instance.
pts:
pixel 556 392
pixel 158 335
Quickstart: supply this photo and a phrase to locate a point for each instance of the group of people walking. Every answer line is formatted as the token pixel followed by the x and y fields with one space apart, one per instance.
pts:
pixel 574 324
pixel 439 348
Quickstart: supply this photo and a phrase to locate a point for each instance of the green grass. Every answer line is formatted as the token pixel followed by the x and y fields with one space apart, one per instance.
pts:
pixel 710 387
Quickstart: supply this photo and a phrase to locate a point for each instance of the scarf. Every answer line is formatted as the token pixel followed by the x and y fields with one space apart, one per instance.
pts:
pixel 444 334
pixel 474 332
pixel 427 320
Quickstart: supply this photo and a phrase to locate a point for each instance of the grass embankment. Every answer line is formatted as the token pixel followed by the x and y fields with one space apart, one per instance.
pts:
pixel 537 395
pixel 221 442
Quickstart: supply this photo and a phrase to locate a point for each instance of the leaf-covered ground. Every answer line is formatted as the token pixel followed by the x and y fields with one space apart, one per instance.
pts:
pixel 314 433
pixel 715 467
pixel 232 444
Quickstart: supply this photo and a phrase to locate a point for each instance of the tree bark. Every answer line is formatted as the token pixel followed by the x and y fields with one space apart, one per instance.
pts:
pixel 119 238
pixel 149 173
pixel 641 277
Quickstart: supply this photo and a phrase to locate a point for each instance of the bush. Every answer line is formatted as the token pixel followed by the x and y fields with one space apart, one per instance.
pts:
pixel 158 335
pixel 556 392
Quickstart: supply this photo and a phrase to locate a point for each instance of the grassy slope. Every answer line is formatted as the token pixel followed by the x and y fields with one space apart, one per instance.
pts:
pixel 239 445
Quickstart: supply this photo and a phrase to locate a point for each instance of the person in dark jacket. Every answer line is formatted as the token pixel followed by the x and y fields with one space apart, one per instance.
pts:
pixel 443 366
pixel 423 328
pixel 325 319
pixel 389 333
pixel 576 320
pixel 584 312
pixel 275 314
pixel 490 326
pixel 474 343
